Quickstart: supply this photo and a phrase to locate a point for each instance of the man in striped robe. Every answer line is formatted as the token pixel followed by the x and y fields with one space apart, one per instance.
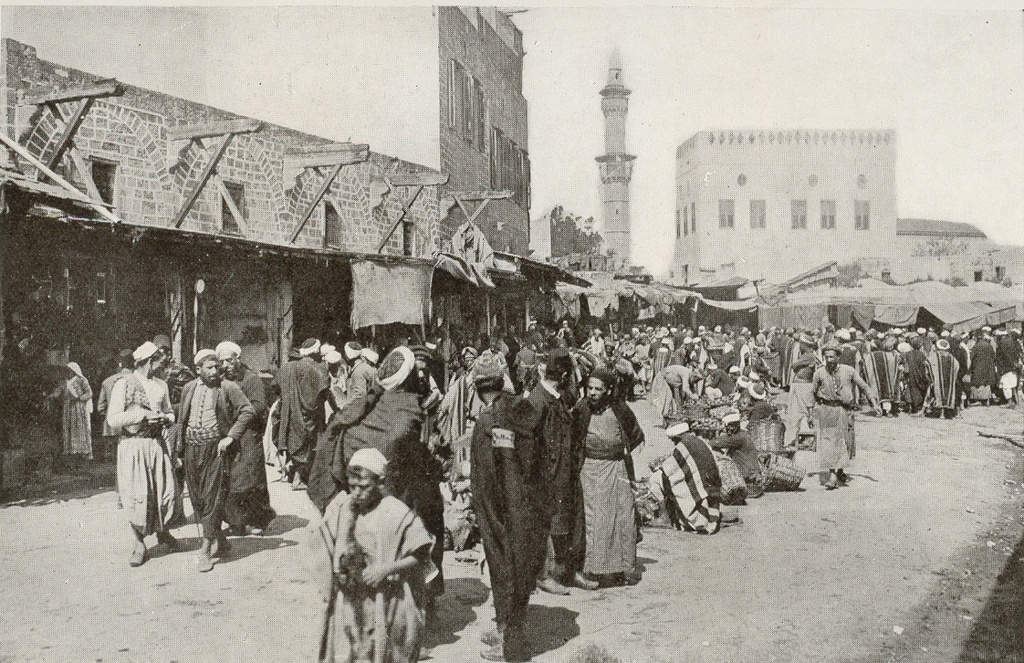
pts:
pixel 944 370
pixel 688 483
pixel 880 368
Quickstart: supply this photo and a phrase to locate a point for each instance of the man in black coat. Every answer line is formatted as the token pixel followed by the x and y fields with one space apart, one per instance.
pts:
pixel 508 474
pixel 563 457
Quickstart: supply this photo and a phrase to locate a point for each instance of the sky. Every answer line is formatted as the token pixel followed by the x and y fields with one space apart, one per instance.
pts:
pixel 951 83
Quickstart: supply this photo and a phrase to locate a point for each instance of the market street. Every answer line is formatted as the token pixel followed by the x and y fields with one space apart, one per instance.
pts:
pixel 801 570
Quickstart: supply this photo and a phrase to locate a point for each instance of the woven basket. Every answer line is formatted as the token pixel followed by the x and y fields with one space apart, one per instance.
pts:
pixel 782 474
pixel 768 435
pixel 734 488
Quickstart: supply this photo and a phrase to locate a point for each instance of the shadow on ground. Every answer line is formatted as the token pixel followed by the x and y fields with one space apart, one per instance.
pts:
pixel 998 634
pixel 455 610
pixel 550 627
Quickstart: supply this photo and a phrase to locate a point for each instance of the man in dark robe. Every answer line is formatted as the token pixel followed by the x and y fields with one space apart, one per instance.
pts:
pixel 563 458
pixel 247 510
pixel 390 419
pixel 300 383
pixel 916 377
pixel 1008 354
pixel 508 472
pixel 983 368
pixel 214 414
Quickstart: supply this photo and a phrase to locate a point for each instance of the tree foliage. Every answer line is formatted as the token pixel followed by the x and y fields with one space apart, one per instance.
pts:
pixel 850 273
pixel 569 234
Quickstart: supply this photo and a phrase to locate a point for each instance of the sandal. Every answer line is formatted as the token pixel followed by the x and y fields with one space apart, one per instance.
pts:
pixel 138 556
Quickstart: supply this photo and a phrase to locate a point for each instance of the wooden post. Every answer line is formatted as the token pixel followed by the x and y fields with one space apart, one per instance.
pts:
pixel 487 305
pixel 176 295
pixel 3 246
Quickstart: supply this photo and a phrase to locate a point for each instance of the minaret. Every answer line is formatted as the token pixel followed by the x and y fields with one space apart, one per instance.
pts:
pixel 616 167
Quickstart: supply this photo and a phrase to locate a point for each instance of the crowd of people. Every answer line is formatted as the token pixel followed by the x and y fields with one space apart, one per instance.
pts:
pixel 540 426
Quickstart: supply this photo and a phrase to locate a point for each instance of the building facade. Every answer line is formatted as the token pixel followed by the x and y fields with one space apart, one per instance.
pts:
pixel 930 249
pixel 484 125
pixel 767 204
pixel 229 228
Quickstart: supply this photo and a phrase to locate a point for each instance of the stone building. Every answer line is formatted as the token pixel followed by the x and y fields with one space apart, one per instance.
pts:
pixel 483 123
pixel 770 204
pixel 225 226
pixel 930 249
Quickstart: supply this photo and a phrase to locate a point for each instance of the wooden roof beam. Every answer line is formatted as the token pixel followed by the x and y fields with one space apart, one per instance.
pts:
pixel 480 195
pixel 193 195
pixel 107 88
pixel 320 193
pixel 212 129
pixel 70 127
pixel 417 179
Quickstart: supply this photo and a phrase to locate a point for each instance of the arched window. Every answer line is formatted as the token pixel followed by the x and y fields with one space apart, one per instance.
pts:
pixel 332 227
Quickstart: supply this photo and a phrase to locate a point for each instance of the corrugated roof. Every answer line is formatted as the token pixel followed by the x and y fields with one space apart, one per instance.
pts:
pixel 935 228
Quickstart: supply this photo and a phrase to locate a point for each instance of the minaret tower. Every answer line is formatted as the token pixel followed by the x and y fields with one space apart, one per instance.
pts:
pixel 616 167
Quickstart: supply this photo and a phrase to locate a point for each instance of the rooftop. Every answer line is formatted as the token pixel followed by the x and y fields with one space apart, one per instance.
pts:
pixel 935 228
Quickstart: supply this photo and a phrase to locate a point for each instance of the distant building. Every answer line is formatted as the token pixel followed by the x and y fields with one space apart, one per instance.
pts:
pixel 947 250
pixel 766 204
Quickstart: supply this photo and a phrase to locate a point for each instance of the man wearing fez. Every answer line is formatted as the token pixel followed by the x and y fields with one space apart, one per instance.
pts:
pixel 834 387
pixel 247 510
pixel 215 415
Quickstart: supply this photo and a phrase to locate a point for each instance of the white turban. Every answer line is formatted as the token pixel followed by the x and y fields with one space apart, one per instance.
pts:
pixel 333 357
pixel 326 349
pixel 352 350
pixel 678 429
pixel 227 348
pixel 370 459
pixel 202 355
pixel 144 351
pixel 309 348
pixel 731 418
pixel 402 371
pixel 369 355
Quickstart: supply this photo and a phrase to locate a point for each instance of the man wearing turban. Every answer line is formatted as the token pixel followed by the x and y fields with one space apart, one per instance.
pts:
pixel 300 383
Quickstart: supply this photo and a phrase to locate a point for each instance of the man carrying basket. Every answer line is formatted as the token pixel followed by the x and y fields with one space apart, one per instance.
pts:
pixel 833 386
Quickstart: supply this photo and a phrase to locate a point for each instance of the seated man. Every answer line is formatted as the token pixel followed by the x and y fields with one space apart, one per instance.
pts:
pixel 760 407
pixel 688 483
pixel 740 448
pixel 718 383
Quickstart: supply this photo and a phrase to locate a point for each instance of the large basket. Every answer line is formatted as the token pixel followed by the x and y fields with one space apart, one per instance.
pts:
pixel 782 474
pixel 768 435
pixel 734 488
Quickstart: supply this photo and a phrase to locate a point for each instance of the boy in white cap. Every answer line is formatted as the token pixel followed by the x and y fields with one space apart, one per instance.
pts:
pixel 371 559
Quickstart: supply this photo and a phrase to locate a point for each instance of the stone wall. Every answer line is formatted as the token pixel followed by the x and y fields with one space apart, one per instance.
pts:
pixel 155 173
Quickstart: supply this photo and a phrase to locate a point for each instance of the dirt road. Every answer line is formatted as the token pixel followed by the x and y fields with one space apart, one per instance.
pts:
pixel 808 576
